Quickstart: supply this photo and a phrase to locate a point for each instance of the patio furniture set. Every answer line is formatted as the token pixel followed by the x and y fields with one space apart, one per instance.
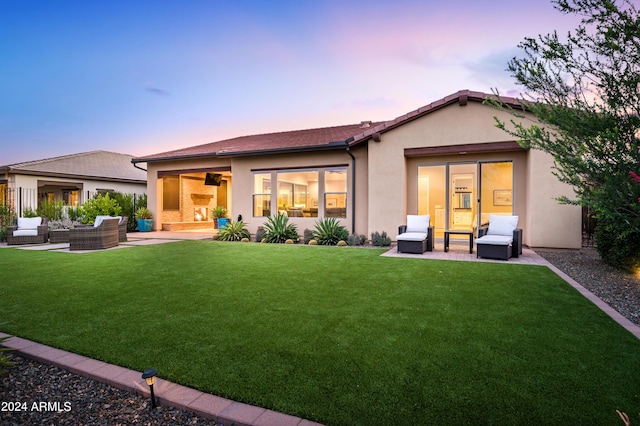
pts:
pixel 106 232
pixel 501 239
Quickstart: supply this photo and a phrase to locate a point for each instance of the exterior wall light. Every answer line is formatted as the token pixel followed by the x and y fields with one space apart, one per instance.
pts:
pixel 150 377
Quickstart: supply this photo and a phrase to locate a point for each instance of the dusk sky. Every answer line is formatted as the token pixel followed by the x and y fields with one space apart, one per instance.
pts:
pixel 142 77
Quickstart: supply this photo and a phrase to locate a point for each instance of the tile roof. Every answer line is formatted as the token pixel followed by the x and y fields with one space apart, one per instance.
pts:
pixel 101 165
pixel 314 139
pixel 296 140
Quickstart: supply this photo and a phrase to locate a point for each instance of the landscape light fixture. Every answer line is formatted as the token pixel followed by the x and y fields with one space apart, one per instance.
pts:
pixel 150 377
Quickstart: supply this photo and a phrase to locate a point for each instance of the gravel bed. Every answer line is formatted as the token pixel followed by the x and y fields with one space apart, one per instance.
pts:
pixel 618 289
pixel 76 400
pixel 32 393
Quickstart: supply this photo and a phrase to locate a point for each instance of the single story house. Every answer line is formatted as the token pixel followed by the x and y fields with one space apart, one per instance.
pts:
pixel 71 178
pixel 446 159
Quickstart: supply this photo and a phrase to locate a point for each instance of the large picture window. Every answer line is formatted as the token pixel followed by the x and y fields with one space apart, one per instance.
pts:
pixel 298 193
pixel 262 194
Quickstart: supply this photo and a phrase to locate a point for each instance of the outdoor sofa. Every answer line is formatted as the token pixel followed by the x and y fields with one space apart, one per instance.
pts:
pixel 104 234
pixel 28 230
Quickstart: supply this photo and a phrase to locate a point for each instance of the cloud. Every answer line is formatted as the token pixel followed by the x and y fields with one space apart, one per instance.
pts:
pixel 491 70
pixel 157 91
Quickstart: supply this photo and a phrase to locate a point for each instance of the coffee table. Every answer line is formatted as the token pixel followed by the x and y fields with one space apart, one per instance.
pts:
pixel 454 232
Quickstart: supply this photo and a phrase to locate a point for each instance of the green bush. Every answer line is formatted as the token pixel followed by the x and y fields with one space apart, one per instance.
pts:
pixel 279 230
pixel 234 231
pixel 329 231
pixel 4 361
pixel 102 205
pixel 618 244
pixel 52 210
pixel 380 240
pixel 29 212
pixel 143 213
pixel 74 213
pixel 7 217
pixel 356 239
pixel 129 203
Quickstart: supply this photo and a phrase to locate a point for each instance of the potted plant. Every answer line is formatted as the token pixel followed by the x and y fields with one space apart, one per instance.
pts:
pixel 218 213
pixel 145 219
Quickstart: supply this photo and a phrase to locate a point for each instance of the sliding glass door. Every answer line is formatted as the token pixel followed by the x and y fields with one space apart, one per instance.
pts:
pixel 461 196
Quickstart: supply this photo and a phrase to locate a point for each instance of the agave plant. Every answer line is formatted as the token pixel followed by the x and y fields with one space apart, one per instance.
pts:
pixel 278 230
pixel 328 231
pixel 234 231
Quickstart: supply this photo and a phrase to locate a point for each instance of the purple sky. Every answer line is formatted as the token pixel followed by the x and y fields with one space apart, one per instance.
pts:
pixel 141 77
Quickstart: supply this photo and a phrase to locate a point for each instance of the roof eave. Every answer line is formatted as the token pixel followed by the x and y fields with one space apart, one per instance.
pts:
pixel 222 154
pixel 71 176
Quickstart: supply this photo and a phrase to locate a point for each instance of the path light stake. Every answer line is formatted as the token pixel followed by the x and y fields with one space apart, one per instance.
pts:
pixel 150 377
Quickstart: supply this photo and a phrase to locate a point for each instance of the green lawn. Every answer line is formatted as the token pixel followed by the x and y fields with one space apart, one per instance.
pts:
pixel 340 336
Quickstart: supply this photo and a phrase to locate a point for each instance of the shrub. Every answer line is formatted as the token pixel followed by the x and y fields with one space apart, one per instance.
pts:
pixel 29 212
pixel 102 205
pixel 50 209
pixel 143 213
pixel 342 243
pixel 380 240
pixel 328 232
pixel 279 230
pixel 313 243
pixel 128 203
pixel 307 235
pixel 356 239
pixel 74 213
pixel 7 216
pixel 618 245
pixel 218 212
pixel 289 241
pixel 4 361
pixel 234 231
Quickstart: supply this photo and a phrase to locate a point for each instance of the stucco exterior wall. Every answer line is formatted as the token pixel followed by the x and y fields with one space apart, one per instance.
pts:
pixel 549 223
pixel 392 177
pixel 452 125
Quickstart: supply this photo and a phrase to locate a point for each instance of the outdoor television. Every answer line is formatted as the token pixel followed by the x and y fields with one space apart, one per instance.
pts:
pixel 213 179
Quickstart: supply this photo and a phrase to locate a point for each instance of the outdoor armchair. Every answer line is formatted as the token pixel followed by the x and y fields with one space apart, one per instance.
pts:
pixel 501 240
pixel 122 229
pixel 416 236
pixel 28 230
pixel 104 234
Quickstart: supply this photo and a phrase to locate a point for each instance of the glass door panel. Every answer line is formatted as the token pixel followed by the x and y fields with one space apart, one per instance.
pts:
pixel 496 190
pixel 462 200
pixel 432 200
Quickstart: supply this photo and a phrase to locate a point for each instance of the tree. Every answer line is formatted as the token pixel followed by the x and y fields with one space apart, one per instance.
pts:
pixel 584 91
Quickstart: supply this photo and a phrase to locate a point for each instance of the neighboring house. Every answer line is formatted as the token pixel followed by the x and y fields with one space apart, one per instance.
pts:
pixel 71 178
pixel 446 159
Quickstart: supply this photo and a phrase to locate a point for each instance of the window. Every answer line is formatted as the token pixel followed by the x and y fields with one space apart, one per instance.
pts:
pixel 70 197
pixel 171 192
pixel 298 193
pixel 335 196
pixel 262 194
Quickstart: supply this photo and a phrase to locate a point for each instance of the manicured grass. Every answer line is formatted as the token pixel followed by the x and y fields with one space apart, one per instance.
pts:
pixel 341 336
